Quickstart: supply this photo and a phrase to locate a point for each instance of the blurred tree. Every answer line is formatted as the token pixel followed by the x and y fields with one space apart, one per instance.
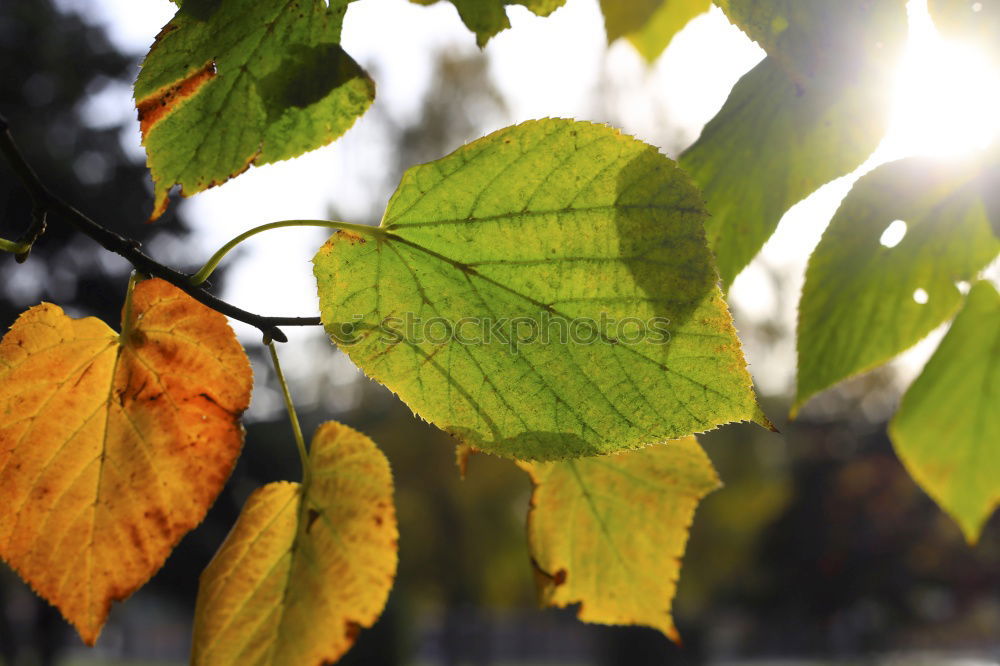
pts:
pixel 53 64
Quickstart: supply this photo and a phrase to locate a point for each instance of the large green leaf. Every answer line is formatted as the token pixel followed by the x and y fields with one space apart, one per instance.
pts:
pixel 858 308
pixel 947 429
pixel 232 83
pixel 650 24
pixel 812 111
pixel 488 17
pixel 544 292
pixel 608 532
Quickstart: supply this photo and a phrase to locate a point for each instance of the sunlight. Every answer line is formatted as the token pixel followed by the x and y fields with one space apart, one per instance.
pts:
pixel 947 99
pixel 893 234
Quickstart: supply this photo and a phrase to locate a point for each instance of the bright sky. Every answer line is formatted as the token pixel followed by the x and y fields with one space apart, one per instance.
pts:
pixel 947 103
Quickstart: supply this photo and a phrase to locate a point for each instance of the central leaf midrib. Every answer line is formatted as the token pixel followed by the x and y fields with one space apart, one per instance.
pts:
pixel 401 225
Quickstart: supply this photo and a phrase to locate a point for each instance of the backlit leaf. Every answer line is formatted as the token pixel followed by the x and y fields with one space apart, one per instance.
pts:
pixel 650 24
pixel 812 111
pixel 655 36
pixel 608 532
pixel 488 17
pixel 947 429
pixel 860 304
pixel 977 21
pixel 232 83
pixel 112 448
pixel 811 38
pixel 542 293
pixel 297 578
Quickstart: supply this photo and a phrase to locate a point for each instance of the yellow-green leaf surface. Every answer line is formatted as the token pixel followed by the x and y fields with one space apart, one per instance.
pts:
pixel 860 304
pixel 488 17
pixel 947 429
pixel 113 447
pixel 813 110
pixel 542 293
pixel 650 24
pixel 303 569
pixel 609 532
pixel 232 83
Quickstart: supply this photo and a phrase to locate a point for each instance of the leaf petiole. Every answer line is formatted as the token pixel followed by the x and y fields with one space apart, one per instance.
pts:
pixel 13 247
pixel 210 265
pixel 300 441
pixel 128 322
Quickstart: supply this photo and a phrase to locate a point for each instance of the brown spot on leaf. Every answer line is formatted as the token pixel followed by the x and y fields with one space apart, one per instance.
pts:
pixel 137 338
pixel 351 630
pixel 160 104
pixel 157 517
pixel 311 517
pixel 351 237
pixel 135 537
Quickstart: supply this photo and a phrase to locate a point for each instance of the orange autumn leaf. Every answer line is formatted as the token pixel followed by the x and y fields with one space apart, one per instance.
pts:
pixel 113 447
pixel 306 566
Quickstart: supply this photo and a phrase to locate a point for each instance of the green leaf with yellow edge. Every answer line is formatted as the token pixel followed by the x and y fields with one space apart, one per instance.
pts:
pixel 113 447
pixel 650 24
pixel 859 305
pixel 947 428
pixel 304 568
pixel 542 293
pixel 810 112
pixel 486 18
pixel 609 532
pixel 232 83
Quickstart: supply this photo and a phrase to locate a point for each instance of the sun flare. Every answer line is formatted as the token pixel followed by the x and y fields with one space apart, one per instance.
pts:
pixel 947 97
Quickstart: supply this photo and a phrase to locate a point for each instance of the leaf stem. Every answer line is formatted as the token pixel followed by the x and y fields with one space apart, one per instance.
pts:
pixel 210 265
pixel 13 247
pixel 127 322
pixel 300 441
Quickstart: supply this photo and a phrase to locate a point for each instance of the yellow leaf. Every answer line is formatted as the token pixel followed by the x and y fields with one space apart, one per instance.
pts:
pixel 608 532
pixel 296 579
pixel 113 447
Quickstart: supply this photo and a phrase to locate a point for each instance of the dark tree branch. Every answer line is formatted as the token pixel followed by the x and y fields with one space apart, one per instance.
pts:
pixel 46 203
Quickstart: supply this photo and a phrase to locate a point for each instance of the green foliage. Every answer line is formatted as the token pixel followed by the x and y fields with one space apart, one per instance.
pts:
pixel 488 17
pixel 559 251
pixel 545 293
pixel 240 82
pixel 858 308
pixel 650 24
pixel 813 40
pixel 812 111
pixel 946 430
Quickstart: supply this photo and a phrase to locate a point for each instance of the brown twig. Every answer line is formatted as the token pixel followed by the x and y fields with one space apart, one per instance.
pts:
pixel 47 204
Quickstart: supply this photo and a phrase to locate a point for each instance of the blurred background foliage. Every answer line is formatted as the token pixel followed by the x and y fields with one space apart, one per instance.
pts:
pixel 819 546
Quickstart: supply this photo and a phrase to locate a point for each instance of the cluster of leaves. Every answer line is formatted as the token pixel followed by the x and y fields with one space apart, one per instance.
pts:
pixel 114 445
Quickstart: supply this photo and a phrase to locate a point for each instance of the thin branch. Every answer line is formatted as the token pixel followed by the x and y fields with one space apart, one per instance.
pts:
pixel 46 202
